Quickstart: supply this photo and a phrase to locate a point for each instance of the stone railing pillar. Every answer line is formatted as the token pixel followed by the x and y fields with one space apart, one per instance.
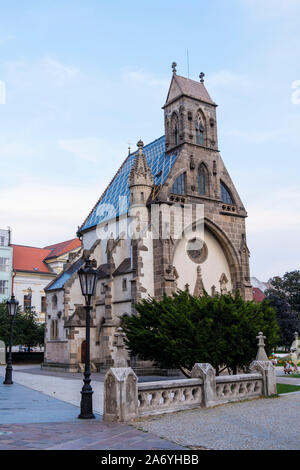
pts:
pixel 120 395
pixel 268 372
pixel 208 374
pixel 263 366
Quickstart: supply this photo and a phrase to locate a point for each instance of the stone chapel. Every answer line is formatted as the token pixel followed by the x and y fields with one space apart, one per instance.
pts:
pixel 199 250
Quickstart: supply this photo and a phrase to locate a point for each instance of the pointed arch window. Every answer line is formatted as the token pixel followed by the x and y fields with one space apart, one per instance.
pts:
pixel 179 185
pixel 176 135
pixel 202 179
pixel 175 129
pixel 225 195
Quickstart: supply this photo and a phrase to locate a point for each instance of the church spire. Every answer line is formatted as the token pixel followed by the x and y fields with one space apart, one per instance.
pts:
pixel 140 178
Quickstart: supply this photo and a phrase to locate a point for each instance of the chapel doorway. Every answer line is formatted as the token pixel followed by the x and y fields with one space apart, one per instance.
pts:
pixel 83 351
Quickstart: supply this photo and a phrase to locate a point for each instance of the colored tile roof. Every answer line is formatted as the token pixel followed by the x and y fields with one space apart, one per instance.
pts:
pixel 64 247
pixel 258 295
pixel 107 206
pixel 30 259
pixel 59 281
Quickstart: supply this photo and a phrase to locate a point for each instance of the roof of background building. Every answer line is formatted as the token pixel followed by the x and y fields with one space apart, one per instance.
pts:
pixel 258 295
pixel 59 249
pixel 107 206
pixel 31 259
pixel 59 281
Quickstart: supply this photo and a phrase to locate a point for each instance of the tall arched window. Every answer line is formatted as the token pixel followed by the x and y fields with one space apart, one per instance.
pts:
pixel 179 185
pixel 202 179
pixel 176 135
pixel 225 194
pixel 174 129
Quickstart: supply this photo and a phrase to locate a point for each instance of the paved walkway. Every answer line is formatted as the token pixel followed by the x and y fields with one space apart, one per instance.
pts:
pixel 33 420
pixel 263 424
pixel 40 412
pixel 64 389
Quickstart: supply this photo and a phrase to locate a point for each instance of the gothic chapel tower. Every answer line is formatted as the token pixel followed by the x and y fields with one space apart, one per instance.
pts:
pixel 220 262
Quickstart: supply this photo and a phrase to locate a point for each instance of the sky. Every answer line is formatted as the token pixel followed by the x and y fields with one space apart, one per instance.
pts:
pixel 79 80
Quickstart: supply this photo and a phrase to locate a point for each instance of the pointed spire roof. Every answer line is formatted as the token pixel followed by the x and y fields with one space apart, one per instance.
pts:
pixel 182 86
pixel 140 171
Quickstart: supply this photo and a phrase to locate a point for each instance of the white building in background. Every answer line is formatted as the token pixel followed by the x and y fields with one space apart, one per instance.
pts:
pixel 34 268
pixel 5 265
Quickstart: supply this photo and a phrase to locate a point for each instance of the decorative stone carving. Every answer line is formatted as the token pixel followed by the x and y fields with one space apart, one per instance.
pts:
pixel 120 395
pixel 208 374
pixel 199 286
pixel 261 353
pixel 121 354
pixel 223 284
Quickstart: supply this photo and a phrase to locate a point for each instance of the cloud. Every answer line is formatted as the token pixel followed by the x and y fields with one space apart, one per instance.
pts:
pixel 140 77
pixel 5 39
pixel 41 214
pixel 228 79
pixel 59 71
pixel 276 212
pixel 272 9
pixel 92 149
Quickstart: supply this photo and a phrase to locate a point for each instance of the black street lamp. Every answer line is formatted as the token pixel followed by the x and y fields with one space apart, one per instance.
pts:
pixel 12 307
pixel 88 278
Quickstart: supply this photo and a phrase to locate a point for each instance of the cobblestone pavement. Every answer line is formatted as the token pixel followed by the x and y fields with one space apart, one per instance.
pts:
pixel 263 424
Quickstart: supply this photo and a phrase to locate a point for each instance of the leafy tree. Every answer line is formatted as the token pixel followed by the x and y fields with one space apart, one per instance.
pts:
pixel 288 320
pixel 178 331
pixel 288 288
pixel 26 331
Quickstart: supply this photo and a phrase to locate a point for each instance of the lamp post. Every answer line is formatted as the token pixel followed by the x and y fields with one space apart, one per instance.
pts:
pixel 88 278
pixel 12 307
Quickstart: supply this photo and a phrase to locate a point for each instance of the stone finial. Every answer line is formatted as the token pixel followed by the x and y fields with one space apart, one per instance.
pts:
pixel 174 65
pixel 199 286
pixel 261 353
pixel 201 76
pixel 187 288
pixel 120 358
pixel 140 146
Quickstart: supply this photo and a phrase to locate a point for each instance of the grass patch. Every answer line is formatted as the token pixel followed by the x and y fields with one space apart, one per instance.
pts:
pixel 291 376
pixel 285 388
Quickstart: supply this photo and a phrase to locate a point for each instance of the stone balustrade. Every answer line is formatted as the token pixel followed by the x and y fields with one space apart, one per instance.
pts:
pixel 126 399
pixel 169 396
pixel 238 387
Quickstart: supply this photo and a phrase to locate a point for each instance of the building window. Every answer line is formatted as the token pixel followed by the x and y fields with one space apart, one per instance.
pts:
pixel 54 302
pixel 124 284
pixel 4 287
pixel 2 241
pixel 27 303
pixel 4 265
pixel 225 195
pixel 54 329
pixel 43 304
pixel 102 288
pixel 179 185
pixel 175 129
pixel 176 135
pixel 202 179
